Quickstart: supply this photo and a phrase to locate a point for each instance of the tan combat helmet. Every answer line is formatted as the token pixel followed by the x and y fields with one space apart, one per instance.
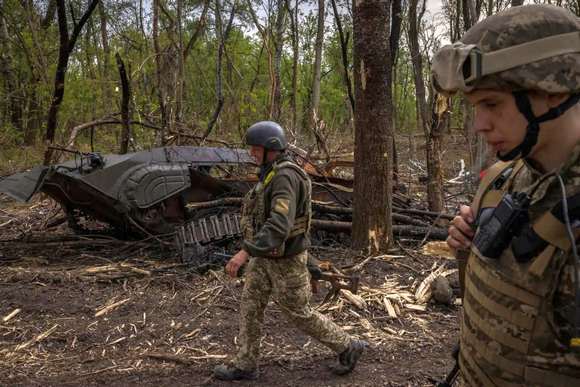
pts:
pixel 526 48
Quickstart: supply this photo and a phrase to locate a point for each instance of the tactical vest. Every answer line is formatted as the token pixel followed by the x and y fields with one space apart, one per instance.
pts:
pixel 254 213
pixel 507 330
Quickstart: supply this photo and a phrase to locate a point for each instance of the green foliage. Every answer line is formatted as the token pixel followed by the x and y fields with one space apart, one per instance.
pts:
pixel 93 87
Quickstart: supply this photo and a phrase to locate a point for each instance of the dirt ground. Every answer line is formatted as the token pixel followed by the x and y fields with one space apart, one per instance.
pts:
pixel 84 311
pixel 97 311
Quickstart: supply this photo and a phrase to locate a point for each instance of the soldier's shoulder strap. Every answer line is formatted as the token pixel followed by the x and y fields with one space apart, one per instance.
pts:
pixel 494 180
pixel 283 165
pixel 301 223
pixel 289 164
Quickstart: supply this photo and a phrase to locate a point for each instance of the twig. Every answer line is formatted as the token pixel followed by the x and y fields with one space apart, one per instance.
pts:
pixel 109 308
pixel 182 360
pixel 38 338
pixel 430 229
pixel 6 223
pixel 12 314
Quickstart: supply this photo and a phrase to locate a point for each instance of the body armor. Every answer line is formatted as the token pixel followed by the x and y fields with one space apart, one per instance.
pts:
pixel 255 209
pixel 510 333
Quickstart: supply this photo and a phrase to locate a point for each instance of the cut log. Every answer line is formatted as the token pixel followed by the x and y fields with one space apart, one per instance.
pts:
pixel 423 212
pixel 406 231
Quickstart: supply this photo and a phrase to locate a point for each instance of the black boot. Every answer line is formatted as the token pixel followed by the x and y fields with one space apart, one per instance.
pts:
pixel 347 359
pixel 230 372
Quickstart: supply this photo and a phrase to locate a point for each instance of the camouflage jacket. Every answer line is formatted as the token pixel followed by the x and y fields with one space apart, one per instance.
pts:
pixel 518 317
pixel 276 212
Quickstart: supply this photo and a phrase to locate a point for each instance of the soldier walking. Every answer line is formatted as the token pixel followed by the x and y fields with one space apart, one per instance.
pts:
pixel 520 69
pixel 276 222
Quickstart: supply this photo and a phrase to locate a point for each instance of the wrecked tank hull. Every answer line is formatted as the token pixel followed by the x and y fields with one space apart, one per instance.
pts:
pixel 136 193
pixel 144 193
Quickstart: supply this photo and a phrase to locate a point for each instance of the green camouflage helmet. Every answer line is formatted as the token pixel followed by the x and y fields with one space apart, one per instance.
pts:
pixel 532 47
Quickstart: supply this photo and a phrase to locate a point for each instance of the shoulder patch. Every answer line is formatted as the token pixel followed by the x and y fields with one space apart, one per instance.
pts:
pixel 282 206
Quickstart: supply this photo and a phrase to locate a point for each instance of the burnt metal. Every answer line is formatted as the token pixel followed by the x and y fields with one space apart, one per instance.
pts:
pixel 210 229
pixel 136 193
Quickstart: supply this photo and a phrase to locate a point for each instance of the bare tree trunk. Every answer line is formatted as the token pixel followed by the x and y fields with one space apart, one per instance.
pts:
pixel 372 223
pixel 12 106
pixel 125 111
pixel 276 107
pixel 106 67
pixel 33 115
pixel 437 125
pixel 424 123
pixel 49 17
pixel 467 20
pixel 313 115
pixel 295 52
pixel 222 36
pixel 180 64
pixel 477 147
pixel 66 45
pixel 198 29
pixel 159 74
pixel 394 38
pixel 344 53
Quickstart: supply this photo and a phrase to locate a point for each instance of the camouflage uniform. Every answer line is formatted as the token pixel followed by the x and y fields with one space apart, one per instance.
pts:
pixel 519 316
pixel 279 208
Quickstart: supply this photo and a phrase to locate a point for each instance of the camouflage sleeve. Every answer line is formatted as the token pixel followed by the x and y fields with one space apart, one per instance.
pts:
pixel 269 240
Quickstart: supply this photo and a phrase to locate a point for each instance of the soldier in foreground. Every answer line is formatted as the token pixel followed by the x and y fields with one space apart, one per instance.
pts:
pixel 276 223
pixel 521 317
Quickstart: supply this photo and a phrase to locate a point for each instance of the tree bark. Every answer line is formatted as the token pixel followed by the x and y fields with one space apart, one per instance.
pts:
pixel 198 29
pixel 313 114
pixel 372 223
pixel 66 45
pixel 424 124
pixel 106 66
pixel 178 97
pixel 49 16
pixel 12 106
pixel 295 53
pixel 125 111
pixel 344 54
pixel 276 108
pixel 394 39
pixel 159 74
pixel 223 36
pixel 434 233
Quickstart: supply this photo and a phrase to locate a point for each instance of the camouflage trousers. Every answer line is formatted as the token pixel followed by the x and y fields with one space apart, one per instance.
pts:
pixel 287 280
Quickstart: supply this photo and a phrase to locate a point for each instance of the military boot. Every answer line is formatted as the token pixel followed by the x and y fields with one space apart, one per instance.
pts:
pixel 348 358
pixel 231 372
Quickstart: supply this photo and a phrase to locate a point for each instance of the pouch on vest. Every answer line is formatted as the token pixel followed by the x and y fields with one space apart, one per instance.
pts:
pixel 529 243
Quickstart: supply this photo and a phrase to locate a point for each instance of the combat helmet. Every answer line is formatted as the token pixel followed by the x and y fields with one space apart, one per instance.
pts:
pixel 268 134
pixel 522 49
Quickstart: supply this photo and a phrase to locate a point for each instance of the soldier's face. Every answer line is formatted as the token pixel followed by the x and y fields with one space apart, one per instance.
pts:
pixel 497 119
pixel 257 152
pixel 503 126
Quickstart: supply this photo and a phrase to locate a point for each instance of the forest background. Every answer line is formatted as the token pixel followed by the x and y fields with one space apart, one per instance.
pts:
pixel 127 75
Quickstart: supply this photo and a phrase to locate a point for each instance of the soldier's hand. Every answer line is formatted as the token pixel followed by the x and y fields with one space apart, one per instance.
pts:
pixel 460 231
pixel 236 262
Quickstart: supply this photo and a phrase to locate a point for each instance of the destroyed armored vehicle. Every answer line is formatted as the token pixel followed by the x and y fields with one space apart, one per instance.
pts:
pixel 192 193
pixel 149 192
pixel 136 193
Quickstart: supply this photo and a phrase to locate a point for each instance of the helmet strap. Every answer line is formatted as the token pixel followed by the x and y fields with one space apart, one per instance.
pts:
pixel 533 128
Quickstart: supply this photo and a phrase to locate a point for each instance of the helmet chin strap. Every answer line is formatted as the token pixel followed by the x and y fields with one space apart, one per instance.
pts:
pixel 533 128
